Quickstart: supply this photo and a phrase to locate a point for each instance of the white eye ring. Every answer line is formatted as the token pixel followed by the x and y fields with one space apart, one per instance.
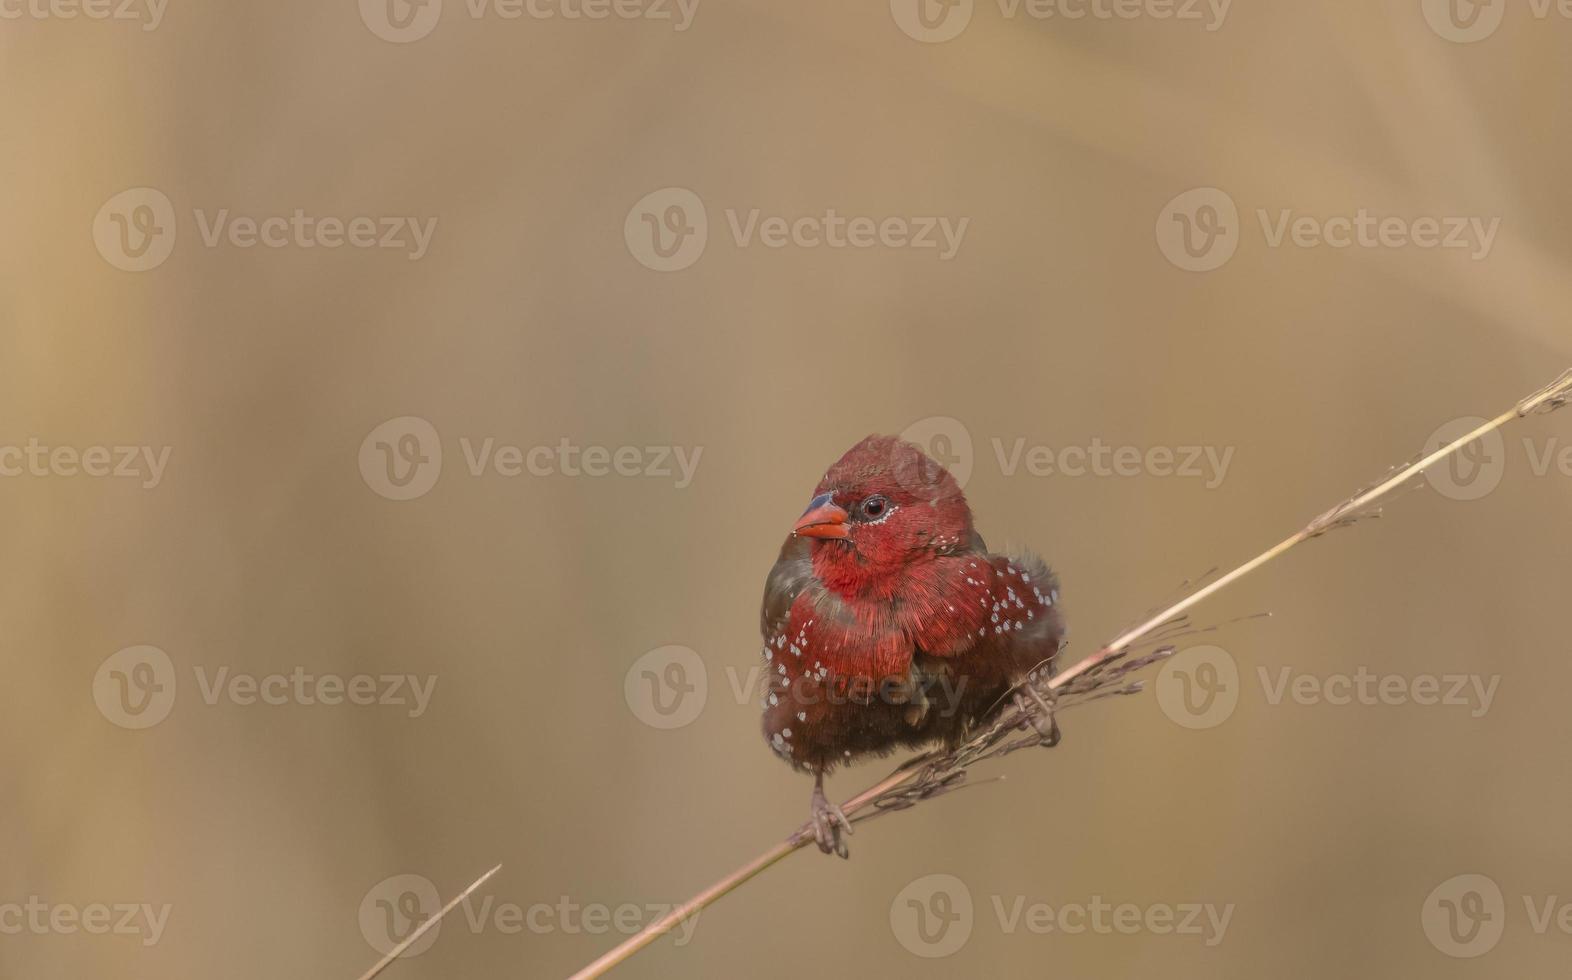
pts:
pixel 883 515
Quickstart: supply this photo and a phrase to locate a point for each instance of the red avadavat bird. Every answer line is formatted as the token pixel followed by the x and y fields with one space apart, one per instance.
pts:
pixel 888 624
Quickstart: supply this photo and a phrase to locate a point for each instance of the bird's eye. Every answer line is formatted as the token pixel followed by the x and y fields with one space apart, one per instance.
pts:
pixel 874 507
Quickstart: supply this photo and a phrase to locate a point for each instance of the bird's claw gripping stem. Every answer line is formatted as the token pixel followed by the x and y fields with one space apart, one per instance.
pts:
pixel 1039 713
pixel 829 822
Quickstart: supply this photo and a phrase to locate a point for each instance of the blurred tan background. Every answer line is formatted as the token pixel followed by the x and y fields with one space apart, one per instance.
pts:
pixel 269 832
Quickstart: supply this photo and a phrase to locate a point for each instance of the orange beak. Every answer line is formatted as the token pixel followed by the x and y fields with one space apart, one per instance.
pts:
pixel 822 519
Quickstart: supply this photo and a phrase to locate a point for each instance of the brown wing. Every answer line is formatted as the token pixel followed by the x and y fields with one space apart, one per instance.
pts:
pixel 792 572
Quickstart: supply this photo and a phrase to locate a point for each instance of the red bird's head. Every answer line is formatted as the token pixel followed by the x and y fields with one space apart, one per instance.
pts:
pixel 882 509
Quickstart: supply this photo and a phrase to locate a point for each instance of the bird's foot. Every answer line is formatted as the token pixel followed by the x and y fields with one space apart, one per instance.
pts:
pixel 1039 714
pixel 829 824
